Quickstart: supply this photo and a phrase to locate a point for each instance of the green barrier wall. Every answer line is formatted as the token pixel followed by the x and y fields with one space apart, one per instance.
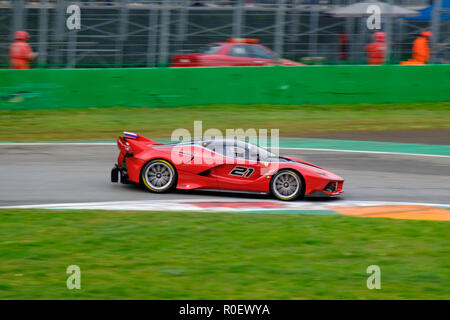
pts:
pixel 80 88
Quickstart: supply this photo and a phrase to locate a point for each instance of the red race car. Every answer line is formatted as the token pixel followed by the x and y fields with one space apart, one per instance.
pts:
pixel 235 52
pixel 227 165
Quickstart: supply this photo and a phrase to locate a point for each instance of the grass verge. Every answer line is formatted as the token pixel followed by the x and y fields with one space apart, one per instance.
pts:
pixel 107 123
pixel 180 255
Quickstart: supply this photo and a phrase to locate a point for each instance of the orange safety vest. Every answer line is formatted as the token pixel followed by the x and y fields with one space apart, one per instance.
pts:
pixel 21 54
pixel 421 50
pixel 376 52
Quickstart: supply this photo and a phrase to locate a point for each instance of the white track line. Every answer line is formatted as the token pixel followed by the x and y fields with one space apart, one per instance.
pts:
pixel 57 143
pixel 306 149
pixel 374 152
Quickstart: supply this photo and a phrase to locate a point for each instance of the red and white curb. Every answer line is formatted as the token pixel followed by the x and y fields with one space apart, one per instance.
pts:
pixel 397 210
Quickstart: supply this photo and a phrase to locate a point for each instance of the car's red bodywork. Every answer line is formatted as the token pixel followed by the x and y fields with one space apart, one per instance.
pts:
pixel 223 57
pixel 198 167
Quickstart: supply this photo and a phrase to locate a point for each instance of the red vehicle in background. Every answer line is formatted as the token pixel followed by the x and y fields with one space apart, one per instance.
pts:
pixel 236 52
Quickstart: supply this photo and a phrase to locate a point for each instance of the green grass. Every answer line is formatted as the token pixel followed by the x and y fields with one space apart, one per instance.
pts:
pixel 107 123
pixel 170 255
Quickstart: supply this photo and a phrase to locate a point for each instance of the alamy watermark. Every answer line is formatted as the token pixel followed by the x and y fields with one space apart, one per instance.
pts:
pixel 374 280
pixel 374 20
pixel 74 280
pixel 73 22
pixel 234 146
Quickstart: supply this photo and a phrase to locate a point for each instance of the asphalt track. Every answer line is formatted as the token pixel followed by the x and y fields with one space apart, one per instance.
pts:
pixel 42 174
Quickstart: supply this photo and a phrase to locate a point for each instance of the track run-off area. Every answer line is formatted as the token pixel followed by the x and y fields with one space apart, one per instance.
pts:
pixel 379 182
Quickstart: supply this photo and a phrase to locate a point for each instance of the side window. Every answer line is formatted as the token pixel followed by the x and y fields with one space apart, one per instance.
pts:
pixel 235 152
pixel 241 51
pixel 216 147
pixel 230 149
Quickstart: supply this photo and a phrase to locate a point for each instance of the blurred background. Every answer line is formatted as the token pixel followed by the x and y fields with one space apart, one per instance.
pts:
pixel 132 33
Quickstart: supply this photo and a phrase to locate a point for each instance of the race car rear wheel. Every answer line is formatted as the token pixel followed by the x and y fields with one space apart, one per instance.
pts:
pixel 158 176
pixel 287 185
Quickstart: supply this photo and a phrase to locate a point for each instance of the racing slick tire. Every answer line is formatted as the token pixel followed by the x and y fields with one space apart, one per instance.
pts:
pixel 158 176
pixel 287 185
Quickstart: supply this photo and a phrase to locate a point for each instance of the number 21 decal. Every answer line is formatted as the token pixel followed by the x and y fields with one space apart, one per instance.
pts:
pixel 242 171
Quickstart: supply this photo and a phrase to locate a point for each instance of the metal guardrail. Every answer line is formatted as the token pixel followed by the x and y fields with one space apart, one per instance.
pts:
pixel 147 33
pixel 215 2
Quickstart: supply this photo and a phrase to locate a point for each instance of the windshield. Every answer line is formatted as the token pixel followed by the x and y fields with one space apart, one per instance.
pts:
pixel 263 53
pixel 263 154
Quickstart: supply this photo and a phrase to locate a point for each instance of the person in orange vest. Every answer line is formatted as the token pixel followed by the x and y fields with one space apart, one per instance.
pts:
pixel 376 51
pixel 421 48
pixel 20 51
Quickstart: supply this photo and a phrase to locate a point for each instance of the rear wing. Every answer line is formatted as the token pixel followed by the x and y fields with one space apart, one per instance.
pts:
pixel 133 143
pixel 137 137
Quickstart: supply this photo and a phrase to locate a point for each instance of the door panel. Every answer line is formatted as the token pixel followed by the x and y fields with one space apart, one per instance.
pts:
pixel 198 165
pixel 240 175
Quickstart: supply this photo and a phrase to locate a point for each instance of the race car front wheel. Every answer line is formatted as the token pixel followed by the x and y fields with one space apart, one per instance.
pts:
pixel 158 176
pixel 286 185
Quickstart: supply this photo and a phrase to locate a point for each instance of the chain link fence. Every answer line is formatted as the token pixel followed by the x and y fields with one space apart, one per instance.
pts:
pixel 127 33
